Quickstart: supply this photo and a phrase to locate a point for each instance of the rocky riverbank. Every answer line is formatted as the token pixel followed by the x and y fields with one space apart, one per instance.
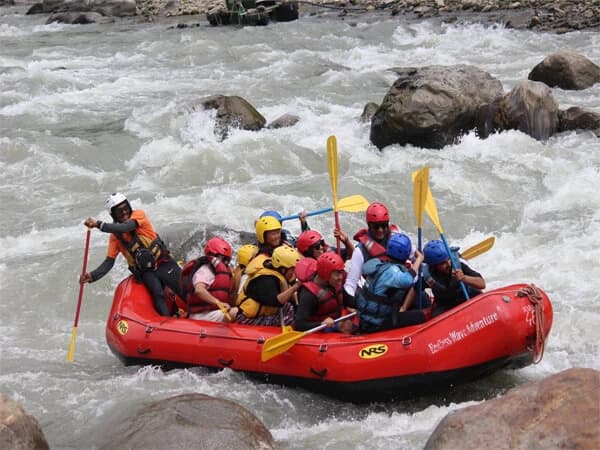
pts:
pixel 558 16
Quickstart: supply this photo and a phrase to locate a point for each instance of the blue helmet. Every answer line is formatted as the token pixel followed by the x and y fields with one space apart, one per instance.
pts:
pixel 435 252
pixel 399 247
pixel 271 213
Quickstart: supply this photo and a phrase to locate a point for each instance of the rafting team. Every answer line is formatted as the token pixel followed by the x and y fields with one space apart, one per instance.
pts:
pixel 282 280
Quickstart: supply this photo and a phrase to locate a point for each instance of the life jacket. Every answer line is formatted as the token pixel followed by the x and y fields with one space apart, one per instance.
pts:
pixel 220 288
pixel 138 241
pixel 369 247
pixel 329 301
pixel 373 309
pixel 251 307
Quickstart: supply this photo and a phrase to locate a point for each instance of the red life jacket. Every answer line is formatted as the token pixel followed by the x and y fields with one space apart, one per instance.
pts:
pixel 330 301
pixel 371 248
pixel 220 288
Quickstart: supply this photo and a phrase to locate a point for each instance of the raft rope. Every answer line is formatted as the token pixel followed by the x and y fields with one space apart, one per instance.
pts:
pixel 535 297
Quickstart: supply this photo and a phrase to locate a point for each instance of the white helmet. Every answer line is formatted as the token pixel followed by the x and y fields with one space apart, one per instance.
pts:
pixel 115 199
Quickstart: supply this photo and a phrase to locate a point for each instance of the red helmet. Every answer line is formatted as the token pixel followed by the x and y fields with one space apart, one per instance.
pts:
pixel 327 263
pixel 307 239
pixel 306 269
pixel 377 212
pixel 217 246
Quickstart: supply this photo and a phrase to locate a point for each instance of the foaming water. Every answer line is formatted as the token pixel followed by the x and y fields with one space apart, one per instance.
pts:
pixel 89 110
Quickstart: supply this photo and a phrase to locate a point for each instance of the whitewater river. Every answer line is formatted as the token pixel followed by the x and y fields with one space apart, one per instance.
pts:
pixel 88 110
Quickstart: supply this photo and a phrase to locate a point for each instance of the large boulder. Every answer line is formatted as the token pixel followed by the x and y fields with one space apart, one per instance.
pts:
pixel 432 106
pixel 566 70
pixel 18 429
pixel 529 107
pixel 195 421
pixel 559 412
pixel 233 112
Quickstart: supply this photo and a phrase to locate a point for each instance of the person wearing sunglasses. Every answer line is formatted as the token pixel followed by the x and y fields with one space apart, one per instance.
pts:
pixel 207 284
pixel 372 242
pixel 312 245
pixel 132 235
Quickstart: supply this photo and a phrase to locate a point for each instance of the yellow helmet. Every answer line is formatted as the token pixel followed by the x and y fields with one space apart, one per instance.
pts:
pixel 286 257
pixel 264 224
pixel 246 253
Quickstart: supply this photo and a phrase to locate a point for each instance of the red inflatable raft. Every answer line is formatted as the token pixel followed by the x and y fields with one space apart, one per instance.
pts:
pixel 501 328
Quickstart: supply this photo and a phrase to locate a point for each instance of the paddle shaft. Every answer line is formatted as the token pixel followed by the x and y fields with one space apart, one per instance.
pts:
pixel 83 271
pixel 322 326
pixel 314 330
pixel 71 351
pixel 308 214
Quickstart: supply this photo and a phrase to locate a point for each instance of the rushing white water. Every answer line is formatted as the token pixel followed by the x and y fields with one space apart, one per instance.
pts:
pixel 88 110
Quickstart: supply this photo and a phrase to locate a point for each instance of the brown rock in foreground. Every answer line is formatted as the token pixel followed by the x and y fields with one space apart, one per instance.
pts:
pixel 185 421
pixel 559 412
pixel 18 429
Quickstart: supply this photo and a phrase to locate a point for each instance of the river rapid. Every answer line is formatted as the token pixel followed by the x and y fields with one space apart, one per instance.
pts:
pixel 89 110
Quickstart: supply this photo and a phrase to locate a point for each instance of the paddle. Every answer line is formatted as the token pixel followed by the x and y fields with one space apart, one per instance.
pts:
pixel 354 203
pixel 421 189
pixel 71 351
pixel 281 343
pixel 479 248
pixel 223 310
pixel 332 164
pixel 431 210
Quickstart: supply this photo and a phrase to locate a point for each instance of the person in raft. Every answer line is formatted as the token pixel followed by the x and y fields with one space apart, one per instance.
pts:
pixel 385 300
pixel 320 299
pixel 444 281
pixel 268 235
pixel 245 254
pixel 132 235
pixel 207 284
pixel 372 242
pixel 312 245
pixel 268 295
pixel 286 235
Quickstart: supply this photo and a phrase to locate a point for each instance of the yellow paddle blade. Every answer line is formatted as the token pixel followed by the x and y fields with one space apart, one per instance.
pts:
pixel 478 249
pixel 420 186
pixel 71 352
pixel 332 164
pixel 430 209
pixel 354 203
pixel 280 344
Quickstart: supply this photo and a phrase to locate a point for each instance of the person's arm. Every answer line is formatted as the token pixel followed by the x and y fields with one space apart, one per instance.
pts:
pixel 111 227
pixel 288 294
pixel 355 272
pixel 469 276
pixel 303 223
pixel 307 305
pixel 348 244
pixel 98 272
